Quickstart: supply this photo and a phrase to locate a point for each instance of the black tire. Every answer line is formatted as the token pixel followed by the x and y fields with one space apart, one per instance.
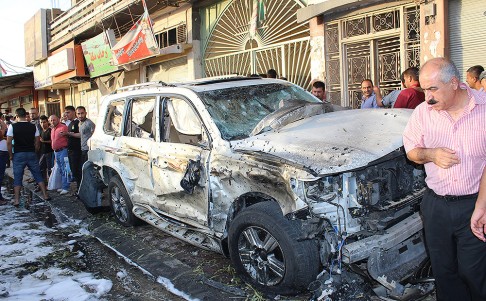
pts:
pixel 285 267
pixel 120 203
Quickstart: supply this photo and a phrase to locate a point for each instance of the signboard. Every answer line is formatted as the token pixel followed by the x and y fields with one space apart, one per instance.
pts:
pixel 41 75
pixel 137 44
pixel 97 53
pixel 61 62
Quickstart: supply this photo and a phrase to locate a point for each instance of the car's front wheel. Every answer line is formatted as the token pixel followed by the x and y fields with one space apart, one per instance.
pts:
pixel 266 252
pixel 121 205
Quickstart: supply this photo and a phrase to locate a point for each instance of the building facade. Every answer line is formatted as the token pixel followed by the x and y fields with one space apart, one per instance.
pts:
pixel 357 40
pixel 339 42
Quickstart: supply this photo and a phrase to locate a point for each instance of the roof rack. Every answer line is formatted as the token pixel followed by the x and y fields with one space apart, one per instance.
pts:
pixel 233 75
pixel 216 79
pixel 141 86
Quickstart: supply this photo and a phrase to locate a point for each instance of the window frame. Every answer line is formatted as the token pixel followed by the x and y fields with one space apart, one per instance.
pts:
pixel 128 116
pixel 163 98
pixel 123 117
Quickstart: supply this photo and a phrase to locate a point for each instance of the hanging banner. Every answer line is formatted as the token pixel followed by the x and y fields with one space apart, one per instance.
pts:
pixel 97 53
pixel 137 44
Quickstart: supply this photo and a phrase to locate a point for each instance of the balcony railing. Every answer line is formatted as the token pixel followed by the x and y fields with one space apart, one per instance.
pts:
pixel 82 17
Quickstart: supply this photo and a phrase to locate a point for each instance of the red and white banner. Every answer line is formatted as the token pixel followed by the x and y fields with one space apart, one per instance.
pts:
pixel 137 44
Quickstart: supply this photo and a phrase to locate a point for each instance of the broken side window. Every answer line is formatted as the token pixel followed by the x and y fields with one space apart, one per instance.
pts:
pixel 182 125
pixel 114 119
pixel 141 118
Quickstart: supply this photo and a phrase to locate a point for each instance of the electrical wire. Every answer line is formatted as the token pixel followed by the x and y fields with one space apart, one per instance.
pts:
pixel 9 67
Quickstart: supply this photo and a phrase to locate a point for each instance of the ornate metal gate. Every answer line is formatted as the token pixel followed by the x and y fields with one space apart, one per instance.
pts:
pixel 376 45
pixel 279 42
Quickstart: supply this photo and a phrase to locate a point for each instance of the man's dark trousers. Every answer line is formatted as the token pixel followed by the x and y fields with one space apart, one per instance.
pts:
pixel 449 237
pixel 75 164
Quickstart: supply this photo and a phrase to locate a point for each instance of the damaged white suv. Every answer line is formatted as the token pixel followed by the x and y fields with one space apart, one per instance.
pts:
pixel 263 172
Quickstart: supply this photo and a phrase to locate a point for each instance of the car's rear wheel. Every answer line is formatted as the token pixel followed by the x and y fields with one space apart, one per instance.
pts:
pixel 266 253
pixel 120 203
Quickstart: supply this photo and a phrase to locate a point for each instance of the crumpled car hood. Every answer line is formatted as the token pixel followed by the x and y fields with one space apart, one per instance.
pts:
pixel 333 142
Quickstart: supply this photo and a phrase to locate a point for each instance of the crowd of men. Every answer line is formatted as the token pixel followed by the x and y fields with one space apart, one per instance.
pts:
pixel 408 98
pixel 39 142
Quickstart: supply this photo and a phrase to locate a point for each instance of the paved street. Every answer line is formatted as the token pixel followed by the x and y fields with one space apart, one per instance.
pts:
pixel 142 263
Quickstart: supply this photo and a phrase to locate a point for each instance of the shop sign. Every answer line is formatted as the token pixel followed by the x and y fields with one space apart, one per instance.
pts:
pixel 137 44
pixel 41 75
pixel 97 53
pixel 61 62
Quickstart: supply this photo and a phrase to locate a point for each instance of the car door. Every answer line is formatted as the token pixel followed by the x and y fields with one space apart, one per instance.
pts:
pixel 179 162
pixel 136 142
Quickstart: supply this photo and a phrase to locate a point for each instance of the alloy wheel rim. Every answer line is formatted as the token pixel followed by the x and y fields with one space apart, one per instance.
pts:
pixel 119 204
pixel 261 256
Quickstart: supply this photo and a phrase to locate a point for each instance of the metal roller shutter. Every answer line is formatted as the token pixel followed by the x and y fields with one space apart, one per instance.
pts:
pixel 171 71
pixel 467 34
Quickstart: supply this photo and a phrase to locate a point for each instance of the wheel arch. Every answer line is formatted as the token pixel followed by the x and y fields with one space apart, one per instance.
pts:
pixel 243 201
pixel 109 172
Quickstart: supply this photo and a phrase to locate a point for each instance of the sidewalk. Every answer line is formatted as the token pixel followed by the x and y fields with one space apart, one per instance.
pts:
pixel 182 269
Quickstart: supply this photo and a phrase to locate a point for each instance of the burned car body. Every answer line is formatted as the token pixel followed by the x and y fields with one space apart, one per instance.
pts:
pixel 261 171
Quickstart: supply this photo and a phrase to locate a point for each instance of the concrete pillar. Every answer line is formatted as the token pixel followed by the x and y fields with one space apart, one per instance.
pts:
pixel 316 26
pixel 194 58
pixel 434 33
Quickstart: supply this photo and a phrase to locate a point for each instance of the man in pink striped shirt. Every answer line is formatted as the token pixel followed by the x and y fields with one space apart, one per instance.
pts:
pixel 447 133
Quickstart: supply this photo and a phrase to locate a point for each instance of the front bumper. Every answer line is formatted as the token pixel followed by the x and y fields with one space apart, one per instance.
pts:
pixel 400 232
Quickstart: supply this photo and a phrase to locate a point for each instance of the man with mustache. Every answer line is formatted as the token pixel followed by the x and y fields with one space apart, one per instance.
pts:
pixel 447 134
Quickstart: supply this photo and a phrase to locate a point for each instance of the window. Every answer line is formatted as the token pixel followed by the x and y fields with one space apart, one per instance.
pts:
pixel 176 35
pixel 114 118
pixel 181 123
pixel 141 114
pixel 25 99
pixel 14 102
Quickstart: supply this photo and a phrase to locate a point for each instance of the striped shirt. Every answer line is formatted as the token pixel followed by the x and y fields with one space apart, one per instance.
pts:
pixel 429 128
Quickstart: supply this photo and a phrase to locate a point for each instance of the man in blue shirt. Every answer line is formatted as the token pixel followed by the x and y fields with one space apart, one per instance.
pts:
pixel 368 98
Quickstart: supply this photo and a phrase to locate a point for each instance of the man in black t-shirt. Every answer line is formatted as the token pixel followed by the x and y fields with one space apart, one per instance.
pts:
pixel 26 138
pixel 74 143
pixel 46 160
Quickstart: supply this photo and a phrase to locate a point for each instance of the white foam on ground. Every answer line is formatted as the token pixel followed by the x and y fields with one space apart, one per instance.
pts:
pixel 171 288
pixel 23 241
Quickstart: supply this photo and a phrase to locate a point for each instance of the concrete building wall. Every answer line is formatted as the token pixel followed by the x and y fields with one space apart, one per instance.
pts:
pixel 316 27
pixel 434 33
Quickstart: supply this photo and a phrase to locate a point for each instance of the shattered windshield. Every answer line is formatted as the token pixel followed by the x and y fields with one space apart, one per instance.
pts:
pixel 237 110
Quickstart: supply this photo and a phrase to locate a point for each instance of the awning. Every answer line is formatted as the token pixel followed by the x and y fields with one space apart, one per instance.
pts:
pixel 13 84
pixel 311 11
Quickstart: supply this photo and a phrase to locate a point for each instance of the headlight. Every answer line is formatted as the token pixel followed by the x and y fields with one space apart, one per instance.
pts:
pixel 314 191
